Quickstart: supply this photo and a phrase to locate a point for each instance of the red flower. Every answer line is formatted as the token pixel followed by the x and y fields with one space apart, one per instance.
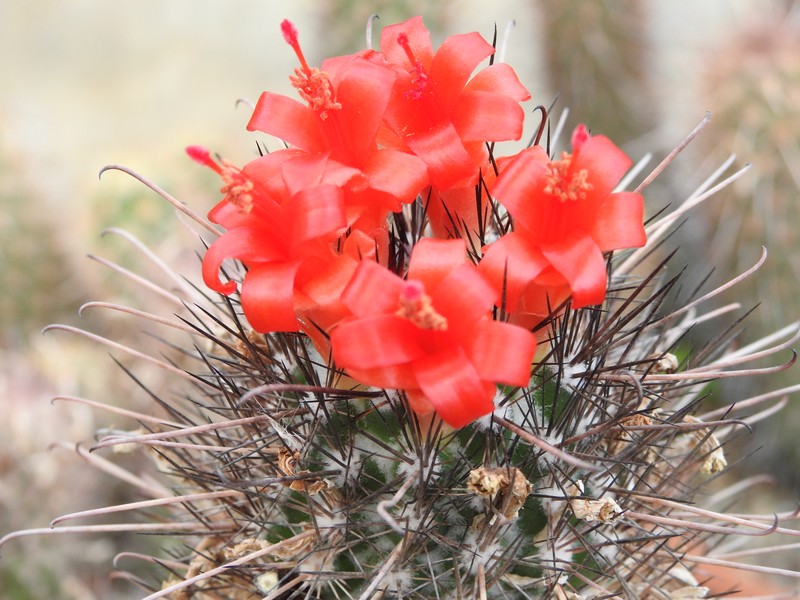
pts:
pixel 438 112
pixel 432 334
pixel 346 102
pixel 284 212
pixel 565 216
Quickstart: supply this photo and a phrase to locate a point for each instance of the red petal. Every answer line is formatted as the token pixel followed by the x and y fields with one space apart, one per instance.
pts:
pixel 229 215
pixel 373 290
pixel 315 212
pixel 511 263
pixel 267 171
pixel 399 174
pixel 581 263
pixel 453 386
pixel 453 64
pixel 432 260
pixel 268 297
pixel 463 297
pixel 364 92
pixel 620 222
pixel 375 342
pixel 454 212
pixel 502 353
pixel 605 163
pixel 244 243
pixel 449 162
pixel 541 297
pixel 395 377
pixel 371 246
pixel 499 78
pixel 488 117
pixel 325 291
pixel 418 402
pixel 523 174
pixel 288 120
pixel 308 170
pixel 419 40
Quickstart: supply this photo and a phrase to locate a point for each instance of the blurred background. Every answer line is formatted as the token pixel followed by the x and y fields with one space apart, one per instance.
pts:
pixel 85 83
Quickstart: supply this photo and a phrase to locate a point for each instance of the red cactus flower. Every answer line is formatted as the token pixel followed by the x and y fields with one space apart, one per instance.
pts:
pixel 283 212
pixel 345 105
pixel 438 112
pixel 431 334
pixel 565 215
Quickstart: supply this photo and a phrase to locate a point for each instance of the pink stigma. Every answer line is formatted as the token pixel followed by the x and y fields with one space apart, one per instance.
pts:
pixel 579 137
pixel 289 32
pixel 202 156
pixel 412 291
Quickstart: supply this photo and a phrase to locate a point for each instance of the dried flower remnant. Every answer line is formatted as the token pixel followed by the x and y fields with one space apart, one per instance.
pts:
pixel 508 487
pixel 605 510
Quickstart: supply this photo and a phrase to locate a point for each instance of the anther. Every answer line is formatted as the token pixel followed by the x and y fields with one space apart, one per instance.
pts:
pixel 416 306
pixel 313 85
pixel 420 79
pixel 564 183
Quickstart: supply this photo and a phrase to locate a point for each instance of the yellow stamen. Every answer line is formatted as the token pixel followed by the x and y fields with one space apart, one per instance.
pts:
pixel 563 183
pixel 237 188
pixel 315 87
pixel 416 306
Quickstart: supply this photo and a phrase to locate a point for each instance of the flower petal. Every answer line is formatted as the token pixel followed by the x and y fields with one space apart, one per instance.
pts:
pixel 373 290
pixel 432 260
pixel 604 162
pixel 288 120
pixel 462 297
pixel 396 173
pixel 244 243
pixel 454 62
pixel 375 342
pixel 522 176
pixel 449 161
pixel 499 78
pixel 394 377
pixel 419 40
pixel 620 222
pixel 315 212
pixel 510 264
pixel 364 92
pixel 452 385
pixel 488 117
pixel 268 297
pixel 581 263
pixel 501 352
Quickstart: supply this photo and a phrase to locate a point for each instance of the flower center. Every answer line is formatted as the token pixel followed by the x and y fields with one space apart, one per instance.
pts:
pixel 313 85
pixel 564 183
pixel 416 306
pixel 420 78
pixel 237 188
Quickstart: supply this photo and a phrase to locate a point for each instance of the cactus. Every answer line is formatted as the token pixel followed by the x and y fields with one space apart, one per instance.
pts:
pixel 285 471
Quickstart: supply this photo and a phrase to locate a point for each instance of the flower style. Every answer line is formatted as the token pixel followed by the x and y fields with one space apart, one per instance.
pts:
pixel 284 213
pixel 565 215
pixel 431 334
pixel 438 112
pixel 346 101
